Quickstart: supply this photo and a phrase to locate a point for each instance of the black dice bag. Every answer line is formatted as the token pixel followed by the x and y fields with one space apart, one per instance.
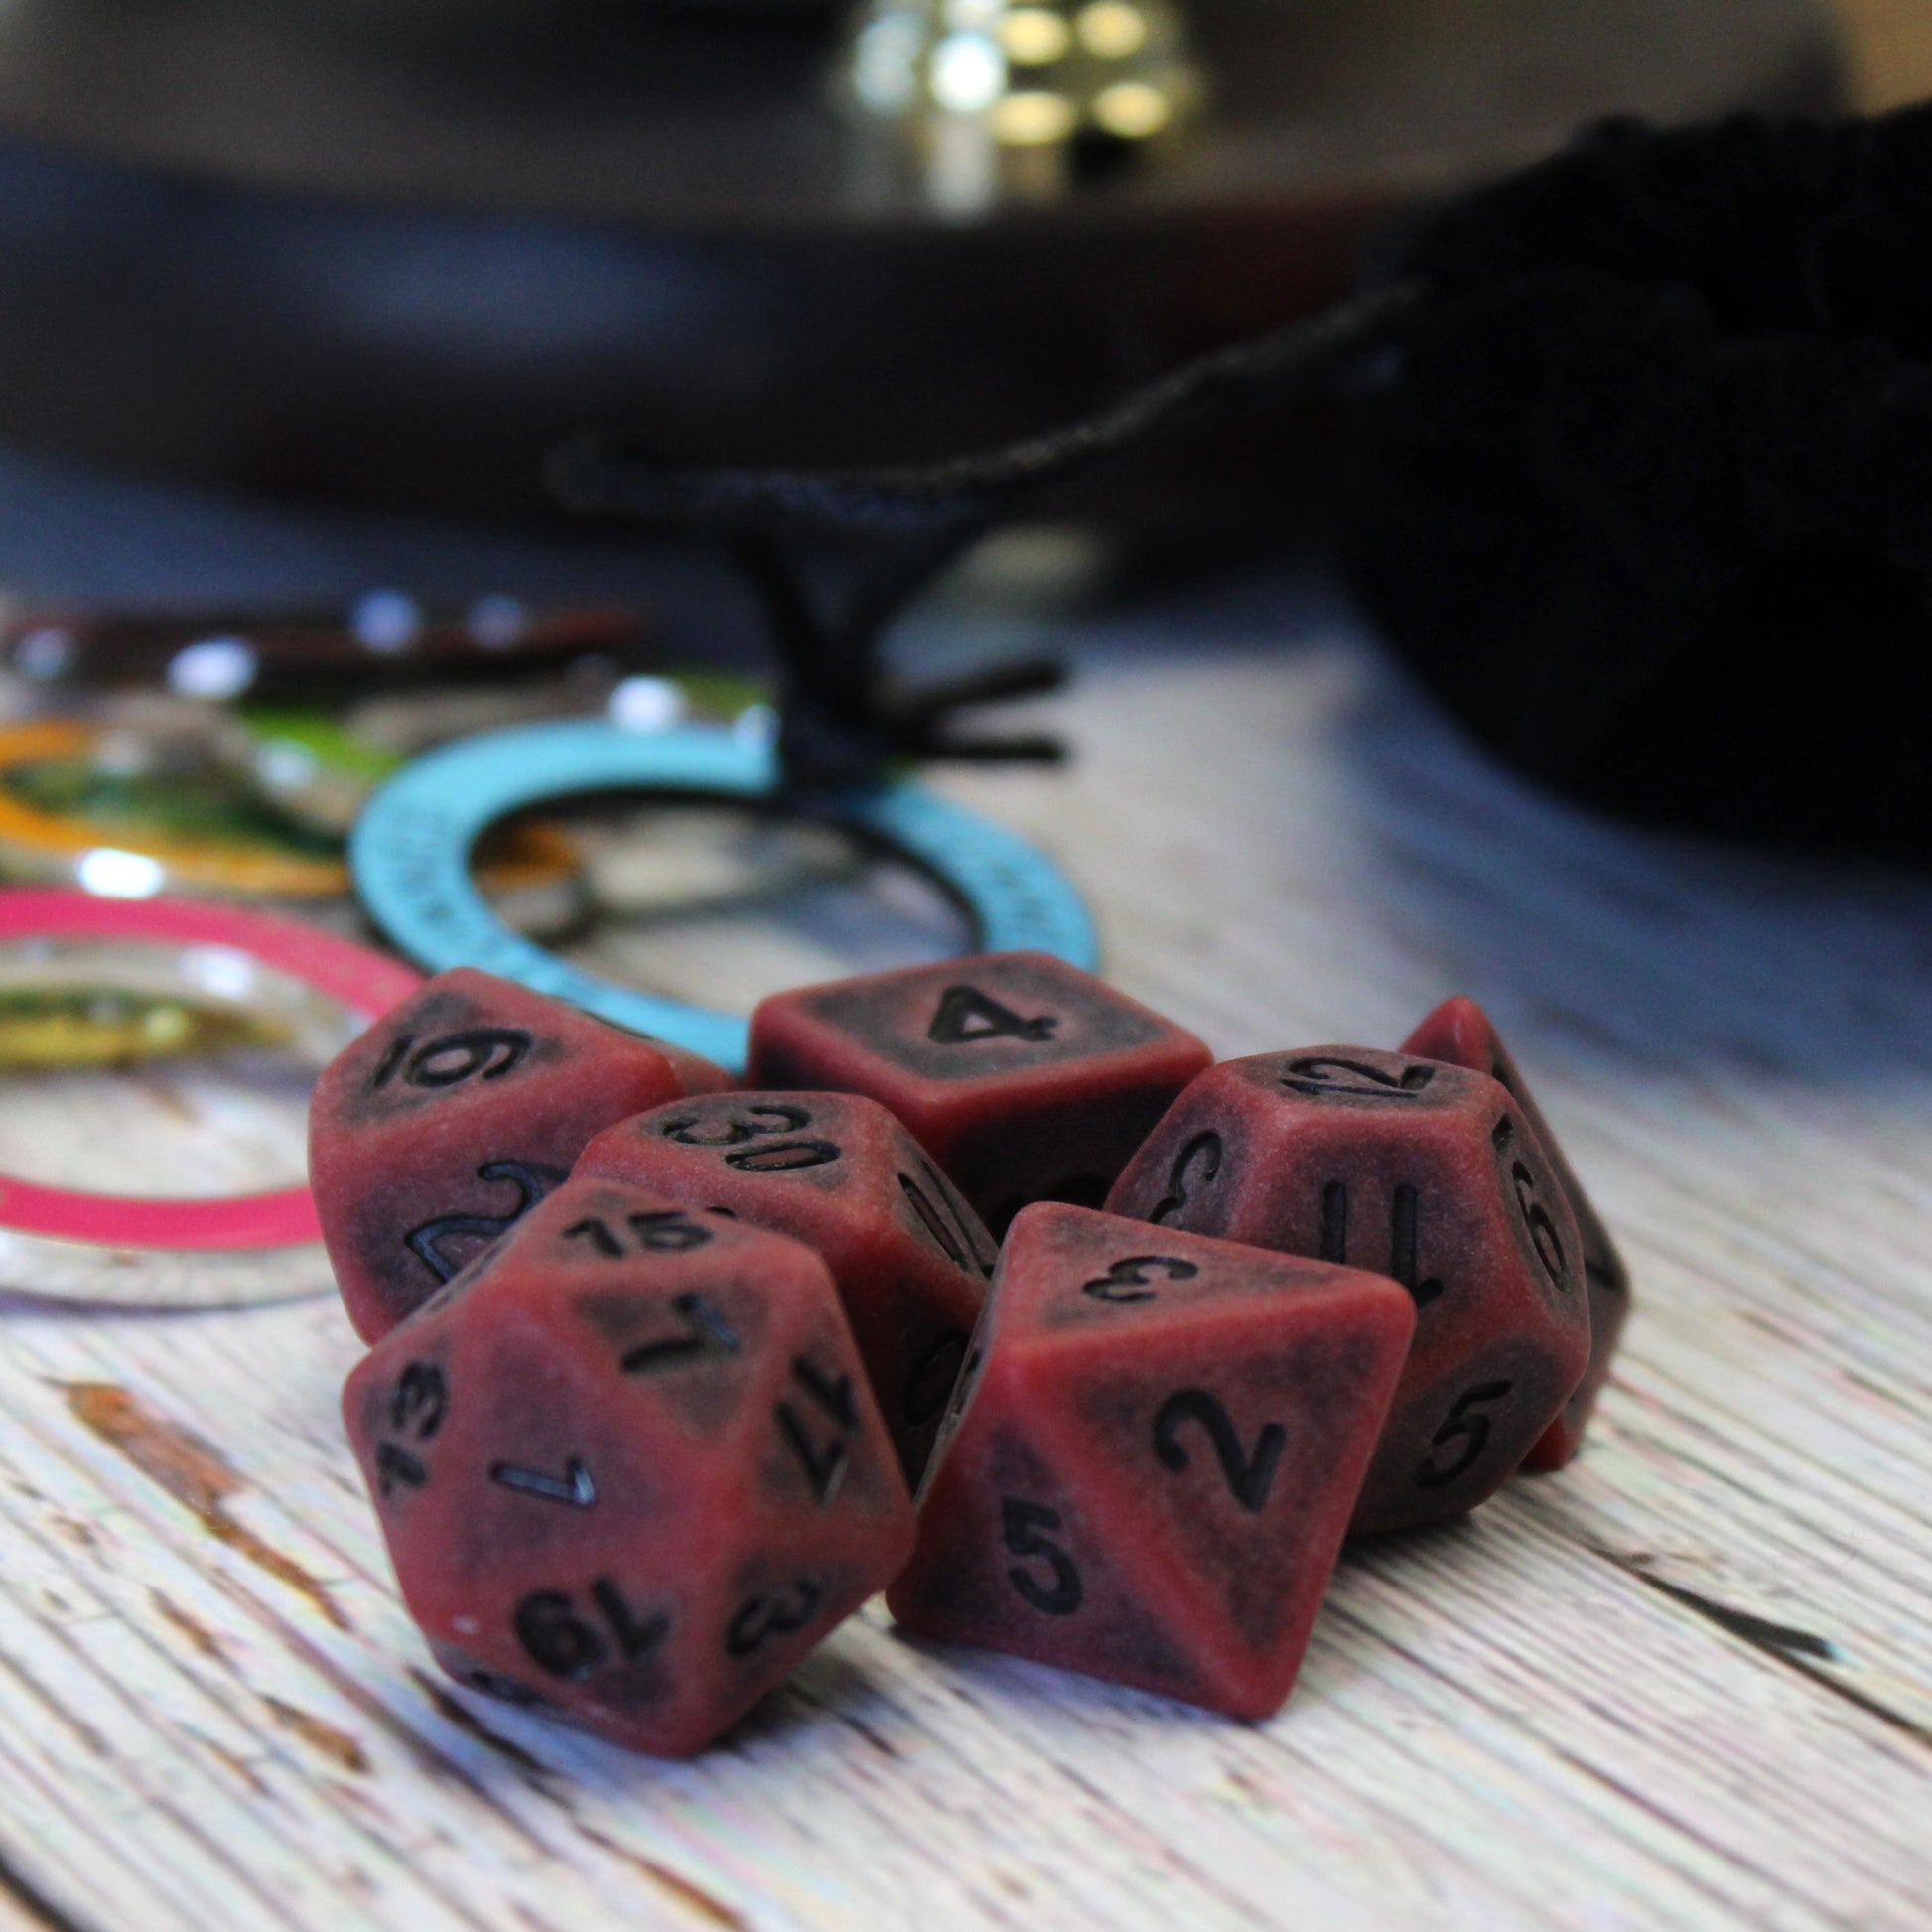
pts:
pixel 1639 486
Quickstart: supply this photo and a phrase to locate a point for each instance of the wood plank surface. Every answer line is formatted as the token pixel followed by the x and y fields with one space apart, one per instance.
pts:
pixel 1686 1684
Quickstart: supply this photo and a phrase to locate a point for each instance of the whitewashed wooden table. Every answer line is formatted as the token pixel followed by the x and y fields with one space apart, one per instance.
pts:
pixel 1686 1684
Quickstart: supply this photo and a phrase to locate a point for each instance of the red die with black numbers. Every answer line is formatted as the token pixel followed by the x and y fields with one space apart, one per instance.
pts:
pixel 840 1174
pixel 433 1131
pixel 1460 1032
pixel 1026 1078
pixel 1427 1174
pixel 1153 1456
pixel 628 1467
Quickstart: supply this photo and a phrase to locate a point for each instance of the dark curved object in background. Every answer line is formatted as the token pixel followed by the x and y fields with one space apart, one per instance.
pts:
pixel 1644 495
pixel 238 249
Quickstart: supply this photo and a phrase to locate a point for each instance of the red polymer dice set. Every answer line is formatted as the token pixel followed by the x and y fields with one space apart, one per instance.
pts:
pixel 661 1365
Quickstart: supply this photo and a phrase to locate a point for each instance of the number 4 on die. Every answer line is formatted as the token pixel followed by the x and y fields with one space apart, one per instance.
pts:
pixel 1026 1078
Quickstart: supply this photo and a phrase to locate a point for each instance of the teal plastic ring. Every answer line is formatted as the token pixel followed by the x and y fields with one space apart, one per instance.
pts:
pixel 410 858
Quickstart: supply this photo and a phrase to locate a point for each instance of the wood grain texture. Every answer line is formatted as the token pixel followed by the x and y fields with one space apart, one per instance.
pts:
pixel 1686 1684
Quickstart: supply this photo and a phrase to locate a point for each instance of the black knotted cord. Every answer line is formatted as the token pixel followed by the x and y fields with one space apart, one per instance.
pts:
pixel 896 528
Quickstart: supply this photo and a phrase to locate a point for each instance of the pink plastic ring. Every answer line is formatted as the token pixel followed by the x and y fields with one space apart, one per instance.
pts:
pixel 353 975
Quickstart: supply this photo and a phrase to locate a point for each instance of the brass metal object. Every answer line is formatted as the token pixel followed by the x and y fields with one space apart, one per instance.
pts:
pixel 1021 98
